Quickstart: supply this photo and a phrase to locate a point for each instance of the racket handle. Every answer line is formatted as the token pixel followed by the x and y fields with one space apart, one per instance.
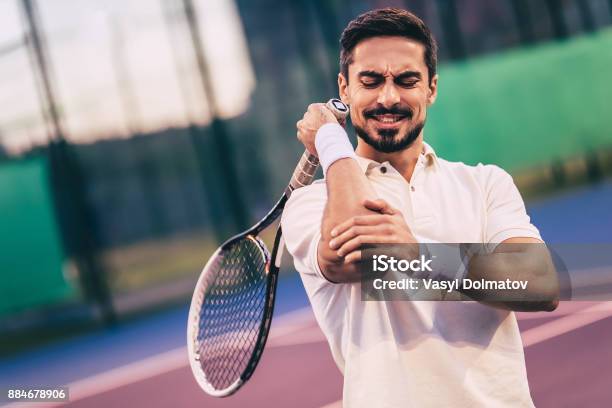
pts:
pixel 307 167
pixel 304 172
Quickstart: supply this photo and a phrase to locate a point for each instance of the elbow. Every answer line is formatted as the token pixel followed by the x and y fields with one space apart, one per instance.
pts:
pixel 534 305
pixel 328 263
pixel 333 268
pixel 545 306
pixel 548 291
pixel 332 275
pixel 340 273
pixel 552 301
pixel 552 294
pixel 336 271
pixel 543 298
pixel 547 302
pixel 552 305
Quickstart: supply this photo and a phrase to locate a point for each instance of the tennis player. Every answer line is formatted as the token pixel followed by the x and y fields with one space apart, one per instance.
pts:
pixel 395 189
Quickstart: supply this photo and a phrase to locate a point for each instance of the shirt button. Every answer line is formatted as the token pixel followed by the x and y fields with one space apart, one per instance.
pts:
pixel 383 169
pixel 412 188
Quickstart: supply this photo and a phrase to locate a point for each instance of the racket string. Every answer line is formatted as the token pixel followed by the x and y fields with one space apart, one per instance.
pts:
pixel 231 313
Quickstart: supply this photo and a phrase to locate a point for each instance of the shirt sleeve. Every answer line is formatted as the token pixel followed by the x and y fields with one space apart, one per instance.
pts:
pixel 506 214
pixel 301 224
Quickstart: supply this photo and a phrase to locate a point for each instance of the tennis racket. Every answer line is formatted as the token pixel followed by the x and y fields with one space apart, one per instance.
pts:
pixel 233 302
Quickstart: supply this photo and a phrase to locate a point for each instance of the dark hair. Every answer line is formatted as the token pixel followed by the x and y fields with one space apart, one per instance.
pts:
pixel 387 22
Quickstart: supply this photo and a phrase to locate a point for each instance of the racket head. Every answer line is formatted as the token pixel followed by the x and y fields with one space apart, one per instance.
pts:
pixel 230 315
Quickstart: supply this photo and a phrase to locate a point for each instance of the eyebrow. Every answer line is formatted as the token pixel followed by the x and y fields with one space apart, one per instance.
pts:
pixel 370 74
pixel 401 76
pixel 408 74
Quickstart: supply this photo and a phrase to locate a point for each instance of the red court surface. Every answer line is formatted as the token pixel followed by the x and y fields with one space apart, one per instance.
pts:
pixel 569 362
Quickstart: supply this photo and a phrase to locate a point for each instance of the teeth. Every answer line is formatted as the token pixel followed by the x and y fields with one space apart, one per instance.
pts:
pixel 387 119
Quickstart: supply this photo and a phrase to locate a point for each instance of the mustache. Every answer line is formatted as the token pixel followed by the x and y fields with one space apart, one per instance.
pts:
pixel 395 110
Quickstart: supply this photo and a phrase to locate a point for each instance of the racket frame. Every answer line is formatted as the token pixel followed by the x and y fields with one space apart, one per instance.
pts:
pixel 302 176
pixel 272 268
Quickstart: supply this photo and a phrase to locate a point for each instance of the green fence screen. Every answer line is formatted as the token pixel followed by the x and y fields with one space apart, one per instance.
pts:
pixel 526 107
pixel 30 250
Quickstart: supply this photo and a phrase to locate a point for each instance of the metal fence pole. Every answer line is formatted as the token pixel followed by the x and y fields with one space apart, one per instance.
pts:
pixel 453 37
pixel 77 224
pixel 586 15
pixel 555 9
pixel 196 135
pixel 223 150
pixel 524 21
pixel 327 13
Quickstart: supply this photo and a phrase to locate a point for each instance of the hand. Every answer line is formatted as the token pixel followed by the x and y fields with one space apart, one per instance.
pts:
pixel 316 116
pixel 386 227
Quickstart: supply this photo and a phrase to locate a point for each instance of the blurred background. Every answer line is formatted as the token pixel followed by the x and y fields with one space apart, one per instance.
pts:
pixel 136 135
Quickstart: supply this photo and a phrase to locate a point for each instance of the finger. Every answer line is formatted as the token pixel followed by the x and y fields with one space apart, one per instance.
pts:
pixel 353 257
pixel 354 244
pixel 320 112
pixel 372 219
pixel 318 107
pixel 329 115
pixel 380 206
pixel 355 230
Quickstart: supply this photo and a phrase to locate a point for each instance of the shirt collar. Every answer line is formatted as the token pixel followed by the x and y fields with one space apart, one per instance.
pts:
pixel 428 156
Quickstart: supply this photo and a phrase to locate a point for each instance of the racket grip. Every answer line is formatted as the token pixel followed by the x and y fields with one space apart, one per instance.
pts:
pixel 304 172
pixel 307 167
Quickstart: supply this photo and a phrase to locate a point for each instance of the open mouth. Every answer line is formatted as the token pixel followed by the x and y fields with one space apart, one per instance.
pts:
pixel 389 118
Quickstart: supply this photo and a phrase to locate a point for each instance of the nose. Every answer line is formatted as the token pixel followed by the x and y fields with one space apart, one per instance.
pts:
pixel 388 95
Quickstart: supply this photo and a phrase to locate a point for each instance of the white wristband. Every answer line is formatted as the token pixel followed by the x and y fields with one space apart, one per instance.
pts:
pixel 332 144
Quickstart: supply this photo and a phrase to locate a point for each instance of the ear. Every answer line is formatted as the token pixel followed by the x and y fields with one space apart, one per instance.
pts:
pixel 433 90
pixel 343 89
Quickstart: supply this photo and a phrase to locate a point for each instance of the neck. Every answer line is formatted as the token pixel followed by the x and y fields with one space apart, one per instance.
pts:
pixel 403 161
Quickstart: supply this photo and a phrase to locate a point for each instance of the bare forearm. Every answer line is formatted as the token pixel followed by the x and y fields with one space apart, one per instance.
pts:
pixel 529 263
pixel 347 189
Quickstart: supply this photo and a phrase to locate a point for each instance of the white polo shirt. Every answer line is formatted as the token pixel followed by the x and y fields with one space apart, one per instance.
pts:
pixel 420 354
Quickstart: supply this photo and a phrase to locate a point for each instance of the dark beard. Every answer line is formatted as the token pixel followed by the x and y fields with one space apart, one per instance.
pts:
pixel 387 142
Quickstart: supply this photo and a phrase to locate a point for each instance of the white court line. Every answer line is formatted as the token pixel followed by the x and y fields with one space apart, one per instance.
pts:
pixel 285 325
pixel 306 336
pixel 118 377
pixel 337 404
pixel 567 323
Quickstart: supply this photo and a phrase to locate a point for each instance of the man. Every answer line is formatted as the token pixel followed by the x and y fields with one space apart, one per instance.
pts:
pixel 395 189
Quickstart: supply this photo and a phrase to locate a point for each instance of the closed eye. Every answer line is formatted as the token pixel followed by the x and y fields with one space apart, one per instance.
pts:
pixel 408 79
pixel 408 83
pixel 370 82
pixel 370 79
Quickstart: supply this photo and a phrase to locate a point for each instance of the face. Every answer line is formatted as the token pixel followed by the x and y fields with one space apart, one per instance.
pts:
pixel 388 90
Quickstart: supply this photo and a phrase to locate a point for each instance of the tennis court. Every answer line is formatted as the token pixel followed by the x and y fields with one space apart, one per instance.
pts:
pixel 297 369
pixel 144 363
